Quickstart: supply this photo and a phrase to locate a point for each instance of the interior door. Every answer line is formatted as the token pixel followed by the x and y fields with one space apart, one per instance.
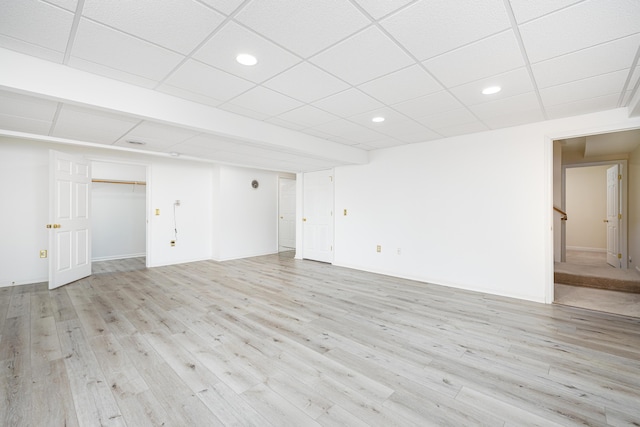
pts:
pixel 287 214
pixel 69 213
pixel 613 216
pixel 317 219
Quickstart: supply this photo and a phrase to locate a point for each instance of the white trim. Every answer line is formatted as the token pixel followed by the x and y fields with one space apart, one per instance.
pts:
pixel 584 249
pixel 116 257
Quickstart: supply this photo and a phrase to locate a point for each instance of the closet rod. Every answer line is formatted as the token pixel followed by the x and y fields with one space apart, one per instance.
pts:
pixel 109 181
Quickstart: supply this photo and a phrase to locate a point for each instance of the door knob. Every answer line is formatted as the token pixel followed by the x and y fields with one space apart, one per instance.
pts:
pixel 54 226
pixel 605 220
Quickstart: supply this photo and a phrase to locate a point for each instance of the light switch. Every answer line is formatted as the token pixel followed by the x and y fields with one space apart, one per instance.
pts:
pixel 157 212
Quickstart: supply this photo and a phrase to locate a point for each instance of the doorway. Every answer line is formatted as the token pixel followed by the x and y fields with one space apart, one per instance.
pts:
pixel 599 217
pixel 119 210
pixel 286 214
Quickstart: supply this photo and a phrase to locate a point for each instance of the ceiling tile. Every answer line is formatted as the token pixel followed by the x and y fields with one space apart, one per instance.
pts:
pixel 237 109
pixel 384 143
pixel 512 83
pixel 363 57
pixel 13 104
pixel 188 95
pixel 83 124
pixel 221 52
pixel 155 135
pixel 392 118
pixel 306 82
pixel 429 104
pixel 265 101
pixel 348 103
pixel 605 84
pixel 445 24
pixel 28 114
pixel 526 10
pixel 514 118
pixel 23 124
pixel 102 45
pixel 35 28
pixel 477 60
pixel 601 59
pixel 379 8
pixel 462 129
pixel 349 131
pixel 589 23
pixel 284 123
pixel 159 23
pixel 69 5
pixel 523 103
pixel 450 118
pixel 583 106
pixel 112 73
pixel 310 25
pixel 224 6
pixel 402 85
pixel 307 116
pixel 204 80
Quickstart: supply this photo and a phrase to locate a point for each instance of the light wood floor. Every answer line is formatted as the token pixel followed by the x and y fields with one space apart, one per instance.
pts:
pixel 283 342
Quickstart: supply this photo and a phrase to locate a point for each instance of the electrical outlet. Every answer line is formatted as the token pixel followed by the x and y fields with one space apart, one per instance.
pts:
pixel 157 211
pixel 43 253
pixel 345 212
pixel 378 248
pixel 173 243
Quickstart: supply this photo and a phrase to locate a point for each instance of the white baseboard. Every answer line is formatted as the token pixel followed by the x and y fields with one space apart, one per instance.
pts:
pixel 584 249
pixel 115 257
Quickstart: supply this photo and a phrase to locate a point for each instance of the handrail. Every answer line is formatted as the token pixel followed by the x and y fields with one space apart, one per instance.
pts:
pixel 564 214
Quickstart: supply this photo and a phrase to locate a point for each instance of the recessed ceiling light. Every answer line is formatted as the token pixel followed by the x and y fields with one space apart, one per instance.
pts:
pixel 491 90
pixel 137 142
pixel 378 119
pixel 246 59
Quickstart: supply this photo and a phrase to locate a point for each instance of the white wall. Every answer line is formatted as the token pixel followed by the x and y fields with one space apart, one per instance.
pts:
pixel 634 209
pixel 168 180
pixel 586 203
pixel 245 219
pixel 24 177
pixel 473 211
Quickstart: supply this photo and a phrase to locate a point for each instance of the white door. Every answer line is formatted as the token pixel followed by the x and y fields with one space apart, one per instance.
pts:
pixel 287 214
pixel 69 213
pixel 613 216
pixel 317 219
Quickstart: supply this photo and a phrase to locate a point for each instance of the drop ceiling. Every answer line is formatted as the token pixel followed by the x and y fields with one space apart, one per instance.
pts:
pixel 325 69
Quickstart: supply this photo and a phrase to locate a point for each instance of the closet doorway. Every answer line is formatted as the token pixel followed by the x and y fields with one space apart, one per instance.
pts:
pixel 119 211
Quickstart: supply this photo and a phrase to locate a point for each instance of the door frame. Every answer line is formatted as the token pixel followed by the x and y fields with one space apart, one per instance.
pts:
pixel 623 230
pixel 548 209
pixel 147 202
pixel 290 178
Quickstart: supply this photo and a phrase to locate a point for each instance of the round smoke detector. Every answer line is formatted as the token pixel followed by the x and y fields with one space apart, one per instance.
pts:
pixel 255 183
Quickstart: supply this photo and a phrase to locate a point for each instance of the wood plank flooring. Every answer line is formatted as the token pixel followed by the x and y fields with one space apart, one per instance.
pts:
pixel 273 341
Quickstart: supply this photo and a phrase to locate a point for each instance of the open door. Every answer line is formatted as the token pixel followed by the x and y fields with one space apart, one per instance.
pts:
pixel 613 216
pixel 317 223
pixel 69 213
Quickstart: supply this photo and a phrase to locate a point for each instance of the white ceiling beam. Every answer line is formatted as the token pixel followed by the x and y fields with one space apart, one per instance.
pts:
pixel 634 105
pixel 32 76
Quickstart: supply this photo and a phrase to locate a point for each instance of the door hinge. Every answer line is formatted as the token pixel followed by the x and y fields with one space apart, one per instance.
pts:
pixel 619 216
pixel 330 178
pixel 331 248
pixel 619 256
pixel 620 177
